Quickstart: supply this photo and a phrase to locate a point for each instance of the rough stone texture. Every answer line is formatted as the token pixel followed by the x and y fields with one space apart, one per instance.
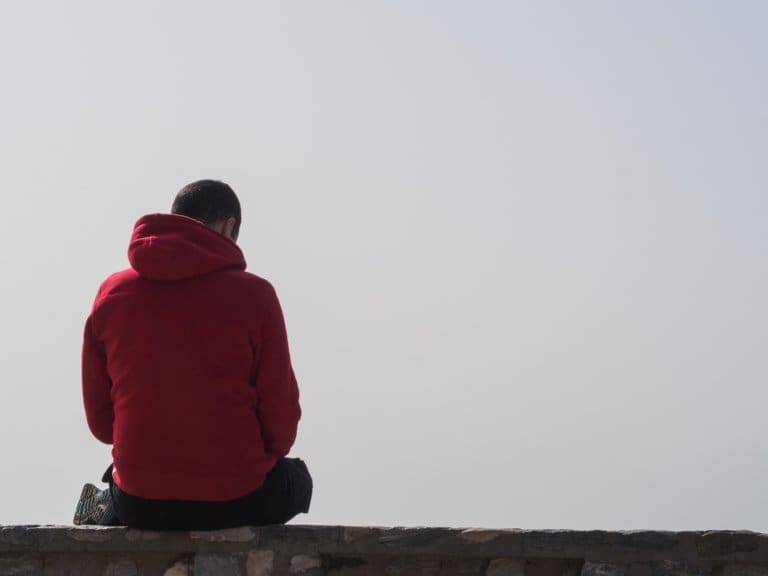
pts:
pixel 745 570
pixel 180 568
pixel 96 534
pixel 217 564
pixel 549 567
pixel 409 566
pixel 598 569
pixel 260 563
pixel 719 543
pixel 71 565
pixel 305 564
pixel 639 570
pixel 20 566
pixel 366 551
pixel 678 568
pixel 464 566
pixel 242 534
pixel 121 568
pixel 503 567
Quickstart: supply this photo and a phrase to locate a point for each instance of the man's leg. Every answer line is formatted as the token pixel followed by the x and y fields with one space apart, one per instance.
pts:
pixel 286 492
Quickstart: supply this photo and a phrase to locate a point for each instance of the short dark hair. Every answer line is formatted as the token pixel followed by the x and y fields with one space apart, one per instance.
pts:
pixel 208 201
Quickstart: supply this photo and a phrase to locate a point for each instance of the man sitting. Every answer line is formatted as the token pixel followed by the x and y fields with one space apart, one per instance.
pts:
pixel 187 373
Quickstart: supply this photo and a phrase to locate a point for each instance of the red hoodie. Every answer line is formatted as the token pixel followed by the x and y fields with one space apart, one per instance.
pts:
pixel 186 369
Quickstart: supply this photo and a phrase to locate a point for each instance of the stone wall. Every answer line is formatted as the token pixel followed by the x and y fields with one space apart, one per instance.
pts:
pixel 334 550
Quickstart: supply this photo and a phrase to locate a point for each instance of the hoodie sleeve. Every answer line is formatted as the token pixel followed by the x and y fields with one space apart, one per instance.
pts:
pixel 277 392
pixel 97 385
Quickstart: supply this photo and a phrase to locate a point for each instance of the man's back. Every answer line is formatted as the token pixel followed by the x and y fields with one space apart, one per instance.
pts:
pixel 186 367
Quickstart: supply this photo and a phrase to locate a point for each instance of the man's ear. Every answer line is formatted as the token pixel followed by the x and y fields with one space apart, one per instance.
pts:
pixel 229 227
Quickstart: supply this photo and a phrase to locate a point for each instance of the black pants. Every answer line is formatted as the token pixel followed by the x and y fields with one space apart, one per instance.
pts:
pixel 286 492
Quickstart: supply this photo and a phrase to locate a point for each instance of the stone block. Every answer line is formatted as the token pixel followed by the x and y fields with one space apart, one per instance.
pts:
pixel 647 540
pixel 443 542
pixel 91 534
pixel 21 566
pixel 603 569
pixel 73 565
pixel 478 535
pixel 353 534
pixel 551 567
pixel 241 534
pixel 479 543
pixel 677 568
pixel 413 567
pixel 144 535
pixel 725 543
pixel 352 566
pixel 15 537
pixel 122 567
pixel 260 563
pixel 306 564
pixel 300 539
pixel 745 570
pixel 183 567
pixel 218 565
pixel 427 541
pixel 639 570
pixel 463 567
pixel 505 567
pixel 558 541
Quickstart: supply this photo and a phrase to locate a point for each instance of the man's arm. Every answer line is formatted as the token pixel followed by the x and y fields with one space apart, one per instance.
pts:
pixel 277 392
pixel 97 385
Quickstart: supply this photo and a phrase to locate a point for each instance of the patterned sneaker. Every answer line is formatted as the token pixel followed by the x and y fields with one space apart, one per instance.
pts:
pixel 94 507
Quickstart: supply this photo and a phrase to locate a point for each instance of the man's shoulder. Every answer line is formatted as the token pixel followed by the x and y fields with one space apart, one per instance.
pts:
pixel 114 284
pixel 128 279
pixel 118 280
pixel 250 281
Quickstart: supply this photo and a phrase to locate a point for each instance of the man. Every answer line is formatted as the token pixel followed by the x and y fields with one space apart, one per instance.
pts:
pixel 187 373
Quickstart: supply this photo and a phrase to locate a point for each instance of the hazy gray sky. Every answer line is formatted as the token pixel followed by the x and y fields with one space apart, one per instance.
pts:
pixel 520 246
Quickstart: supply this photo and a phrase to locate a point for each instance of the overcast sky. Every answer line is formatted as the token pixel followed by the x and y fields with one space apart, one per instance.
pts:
pixel 520 246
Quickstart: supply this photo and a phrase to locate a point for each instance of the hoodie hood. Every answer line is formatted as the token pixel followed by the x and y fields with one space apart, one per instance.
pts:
pixel 173 247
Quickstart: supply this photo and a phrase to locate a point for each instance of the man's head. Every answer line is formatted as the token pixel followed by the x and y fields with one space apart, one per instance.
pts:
pixel 211 202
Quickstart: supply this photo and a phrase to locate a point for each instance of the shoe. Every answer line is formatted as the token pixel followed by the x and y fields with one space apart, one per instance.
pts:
pixel 94 507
